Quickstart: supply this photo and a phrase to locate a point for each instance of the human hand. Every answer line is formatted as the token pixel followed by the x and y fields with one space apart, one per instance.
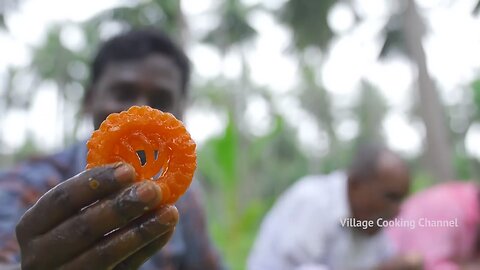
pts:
pixel 98 219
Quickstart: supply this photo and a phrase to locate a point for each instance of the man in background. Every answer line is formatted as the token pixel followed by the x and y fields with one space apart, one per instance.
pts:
pixel 140 67
pixel 330 222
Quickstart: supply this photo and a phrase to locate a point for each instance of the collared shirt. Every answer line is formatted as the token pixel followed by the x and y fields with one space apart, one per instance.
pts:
pixel 445 222
pixel 189 247
pixel 304 231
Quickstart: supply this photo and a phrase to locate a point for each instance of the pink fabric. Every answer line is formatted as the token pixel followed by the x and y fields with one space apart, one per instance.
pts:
pixel 441 247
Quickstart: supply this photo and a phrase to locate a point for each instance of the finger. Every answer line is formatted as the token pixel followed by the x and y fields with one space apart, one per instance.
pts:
pixel 121 244
pixel 141 256
pixel 71 196
pixel 78 233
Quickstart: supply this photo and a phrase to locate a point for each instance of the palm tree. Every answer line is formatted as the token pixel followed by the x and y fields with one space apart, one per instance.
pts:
pixel 308 22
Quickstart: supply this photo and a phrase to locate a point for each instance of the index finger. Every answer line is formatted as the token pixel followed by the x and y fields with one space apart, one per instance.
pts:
pixel 69 197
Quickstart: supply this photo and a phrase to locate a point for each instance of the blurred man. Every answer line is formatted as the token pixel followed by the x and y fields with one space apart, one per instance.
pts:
pixel 330 222
pixel 142 67
pixel 446 231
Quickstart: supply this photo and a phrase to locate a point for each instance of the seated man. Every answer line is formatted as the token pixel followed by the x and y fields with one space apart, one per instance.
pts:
pixel 445 227
pixel 330 222
pixel 141 67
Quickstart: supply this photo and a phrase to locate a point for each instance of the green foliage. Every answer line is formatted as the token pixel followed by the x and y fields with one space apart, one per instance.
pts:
pixel 233 28
pixel 462 165
pixel 476 96
pixel 236 241
pixel 218 158
pixel 239 199
pixel 308 21
pixel 317 101
pixel 337 160
pixel 52 60
pixel 275 160
pixel 11 98
pixel 421 181
pixel 164 14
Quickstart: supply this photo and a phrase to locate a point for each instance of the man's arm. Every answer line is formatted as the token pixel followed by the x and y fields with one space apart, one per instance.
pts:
pixel 22 185
pixel 303 243
pixel 10 266
pixel 412 261
pixel 12 206
pixel 200 252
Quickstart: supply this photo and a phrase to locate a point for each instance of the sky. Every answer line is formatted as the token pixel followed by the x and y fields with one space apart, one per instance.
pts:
pixel 353 57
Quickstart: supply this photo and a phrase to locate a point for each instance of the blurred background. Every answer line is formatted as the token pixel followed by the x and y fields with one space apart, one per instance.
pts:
pixel 281 88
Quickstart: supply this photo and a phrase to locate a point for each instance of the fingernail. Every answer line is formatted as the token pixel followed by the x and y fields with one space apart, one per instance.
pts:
pixel 148 192
pixel 168 215
pixel 124 173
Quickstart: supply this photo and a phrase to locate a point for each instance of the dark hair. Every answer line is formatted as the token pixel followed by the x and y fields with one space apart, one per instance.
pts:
pixel 365 161
pixel 137 44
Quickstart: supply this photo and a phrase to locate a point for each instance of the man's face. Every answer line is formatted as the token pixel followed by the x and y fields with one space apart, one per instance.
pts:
pixel 154 81
pixel 381 197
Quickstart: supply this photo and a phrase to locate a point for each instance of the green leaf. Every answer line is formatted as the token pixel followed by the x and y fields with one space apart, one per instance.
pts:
pixel 217 158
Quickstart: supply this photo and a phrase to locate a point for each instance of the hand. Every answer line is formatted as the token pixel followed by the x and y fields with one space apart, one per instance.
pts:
pixel 99 219
pixel 411 261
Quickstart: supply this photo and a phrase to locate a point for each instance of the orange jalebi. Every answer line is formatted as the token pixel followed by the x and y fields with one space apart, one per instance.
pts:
pixel 170 157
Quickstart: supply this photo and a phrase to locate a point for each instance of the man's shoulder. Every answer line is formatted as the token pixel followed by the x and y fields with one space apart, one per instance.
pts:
pixel 51 168
pixel 319 185
pixel 315 193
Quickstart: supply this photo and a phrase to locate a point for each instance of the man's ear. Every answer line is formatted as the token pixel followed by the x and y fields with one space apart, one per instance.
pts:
pixel 182 105
pixel 354 183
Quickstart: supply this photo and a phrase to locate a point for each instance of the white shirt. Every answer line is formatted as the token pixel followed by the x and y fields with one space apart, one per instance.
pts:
pixel 303 231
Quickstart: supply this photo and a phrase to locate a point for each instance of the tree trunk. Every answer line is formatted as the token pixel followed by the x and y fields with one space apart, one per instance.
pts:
pixel 439 152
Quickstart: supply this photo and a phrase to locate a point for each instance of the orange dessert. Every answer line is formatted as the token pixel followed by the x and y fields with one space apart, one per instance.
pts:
pixel 170 157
